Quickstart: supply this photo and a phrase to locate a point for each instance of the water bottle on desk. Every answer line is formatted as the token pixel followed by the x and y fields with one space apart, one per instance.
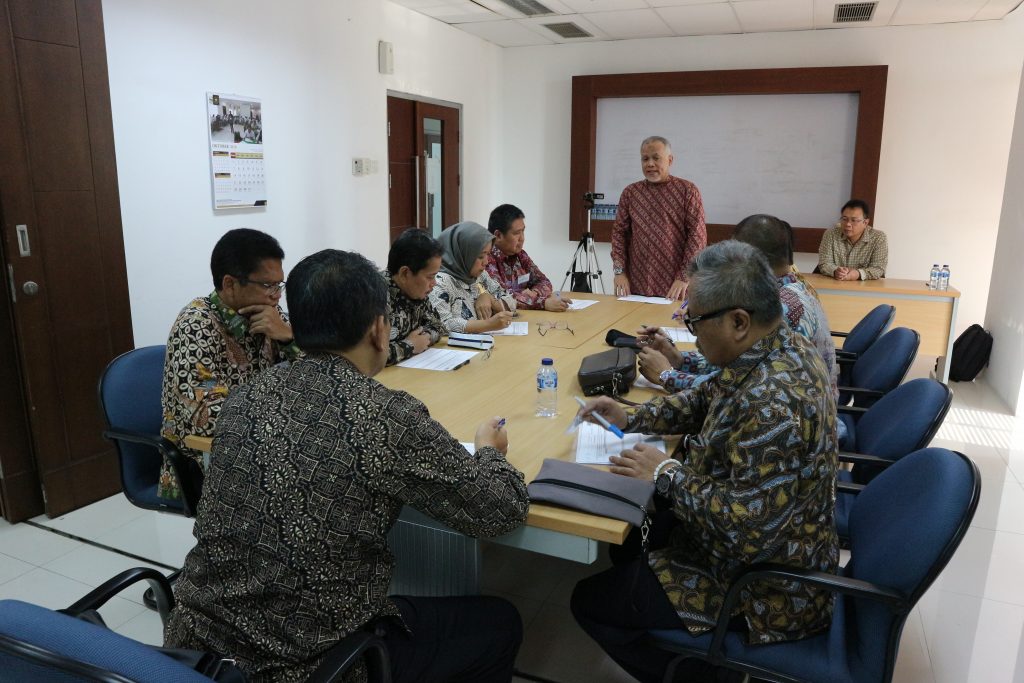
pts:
pixel 933 277
pixel 944 278
pixel 547 389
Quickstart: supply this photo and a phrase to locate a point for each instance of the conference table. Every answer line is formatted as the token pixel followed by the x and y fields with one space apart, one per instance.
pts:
pixel 931 312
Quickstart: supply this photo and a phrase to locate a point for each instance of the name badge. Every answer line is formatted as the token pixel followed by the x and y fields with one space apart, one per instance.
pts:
pixel 523 279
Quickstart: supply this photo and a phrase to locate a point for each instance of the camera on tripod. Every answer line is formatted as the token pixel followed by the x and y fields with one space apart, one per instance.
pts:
pixel 584 268
pixel 590 197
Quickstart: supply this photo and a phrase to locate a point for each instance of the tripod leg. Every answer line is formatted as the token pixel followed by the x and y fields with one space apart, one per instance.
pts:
pixel 596 268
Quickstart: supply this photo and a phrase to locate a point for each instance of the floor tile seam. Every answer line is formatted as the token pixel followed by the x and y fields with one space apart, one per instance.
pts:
pixel 916 612
pixel 978 597
pixel 101 546
pixel 107 529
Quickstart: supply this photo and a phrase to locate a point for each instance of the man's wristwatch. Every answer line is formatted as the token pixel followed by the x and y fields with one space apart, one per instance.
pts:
pixel 663 484
pixel 618 271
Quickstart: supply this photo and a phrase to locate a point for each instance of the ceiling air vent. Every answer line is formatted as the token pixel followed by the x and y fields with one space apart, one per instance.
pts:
pixel 529 8
pixel 568 30
pixel 854 11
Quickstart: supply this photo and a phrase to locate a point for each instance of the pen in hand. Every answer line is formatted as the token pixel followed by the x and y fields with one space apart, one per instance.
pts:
pixel 604 423
pixel 501 423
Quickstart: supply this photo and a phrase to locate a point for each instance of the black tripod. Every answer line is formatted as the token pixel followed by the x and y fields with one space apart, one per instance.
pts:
pixel 584 266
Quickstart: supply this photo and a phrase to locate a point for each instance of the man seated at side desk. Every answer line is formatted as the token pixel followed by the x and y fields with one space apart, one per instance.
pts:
pixel 853 249
pixel 223 340
pixel 753 480
pixel 311 465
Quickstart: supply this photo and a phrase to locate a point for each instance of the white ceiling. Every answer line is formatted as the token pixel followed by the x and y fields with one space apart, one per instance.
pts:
pixel 498 23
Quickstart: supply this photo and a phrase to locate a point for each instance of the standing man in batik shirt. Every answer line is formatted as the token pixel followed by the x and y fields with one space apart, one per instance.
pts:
pixel 753 480
pixel 659 227
pixel 413 264
pixel 853 249
pixel 312 464
pixel 513 269
pixel 223 340
pixel 661 362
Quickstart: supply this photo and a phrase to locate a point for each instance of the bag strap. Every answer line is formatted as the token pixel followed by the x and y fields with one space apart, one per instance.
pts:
pixel 645 526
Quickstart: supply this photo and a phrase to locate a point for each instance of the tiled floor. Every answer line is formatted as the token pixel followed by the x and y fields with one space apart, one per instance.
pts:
pixel 968 627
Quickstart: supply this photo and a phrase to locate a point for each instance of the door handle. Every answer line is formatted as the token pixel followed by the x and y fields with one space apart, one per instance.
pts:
pixel 416 191
pixel 24 249
pixel 30 288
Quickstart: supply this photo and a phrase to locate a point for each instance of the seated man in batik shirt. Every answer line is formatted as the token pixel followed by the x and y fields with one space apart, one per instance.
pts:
pixel 513 269
pixel 312 464
pixel 413 263
pixel 662 363
pixel 753 480
pixel 223 340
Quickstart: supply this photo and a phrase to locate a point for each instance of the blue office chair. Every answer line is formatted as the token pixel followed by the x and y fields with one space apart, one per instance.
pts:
pixel 129 392
pixel 879 369
pixel 904 528
pixel 903 421
pixel 39 645
pixel 861 337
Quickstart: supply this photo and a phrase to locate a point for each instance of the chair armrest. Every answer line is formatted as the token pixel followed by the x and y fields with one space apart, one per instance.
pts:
pixel 98 596
pixel 189 475
pixel 848 487
pixel 852 410
pixel 350 650
pixel 857 391
pixel 846 354
pixel 863 459
pixel 843 585
pixel 839 334
pixel 845 360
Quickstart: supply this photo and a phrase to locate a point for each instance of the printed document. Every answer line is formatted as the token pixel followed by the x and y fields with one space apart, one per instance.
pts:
pixel 518 328
pixel 594 444
pixel 679 334
pixel 646 299
pixel 580 304
pixel 438 359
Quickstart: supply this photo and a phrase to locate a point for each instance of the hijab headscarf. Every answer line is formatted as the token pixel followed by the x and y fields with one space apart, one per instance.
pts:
pixel 462 243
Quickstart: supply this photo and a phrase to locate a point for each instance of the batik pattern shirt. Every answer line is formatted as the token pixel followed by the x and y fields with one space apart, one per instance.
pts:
pixel 870 255
pixel 311 466
pixel 454 300
pixel 805 316
pixel 659 229
pixel 210 352
pixel 516 273
pixel 756 484
pixel 408 315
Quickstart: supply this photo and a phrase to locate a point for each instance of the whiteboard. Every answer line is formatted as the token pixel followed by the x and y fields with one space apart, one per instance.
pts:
pixel 786 155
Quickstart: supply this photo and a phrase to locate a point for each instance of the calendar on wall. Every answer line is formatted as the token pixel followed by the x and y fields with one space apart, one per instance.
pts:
pixel 236 151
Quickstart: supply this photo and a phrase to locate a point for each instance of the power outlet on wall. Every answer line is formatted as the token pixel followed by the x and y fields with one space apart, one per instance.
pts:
pixel 362 166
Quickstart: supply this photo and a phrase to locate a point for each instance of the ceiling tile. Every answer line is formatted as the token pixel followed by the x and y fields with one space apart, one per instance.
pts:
pixel 585 6
pixel 556 6
pixel 639 23
pixel 699 20
pixel 824 11
pixel 675 3
pixel 996 9
pixel 505 33
pixel 935 11
pixel 774 15
pixel 457 13
pixel 418 4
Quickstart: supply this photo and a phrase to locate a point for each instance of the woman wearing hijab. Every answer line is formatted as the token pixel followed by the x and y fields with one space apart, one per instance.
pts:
pixel 462 281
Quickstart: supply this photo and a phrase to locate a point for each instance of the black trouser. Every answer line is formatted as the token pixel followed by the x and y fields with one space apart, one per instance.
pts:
pixel 619 605
pixel 472 639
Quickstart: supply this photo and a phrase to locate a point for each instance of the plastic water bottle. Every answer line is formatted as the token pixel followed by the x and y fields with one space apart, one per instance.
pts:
pixel 547 389
pixel 944 278
pixel 933 277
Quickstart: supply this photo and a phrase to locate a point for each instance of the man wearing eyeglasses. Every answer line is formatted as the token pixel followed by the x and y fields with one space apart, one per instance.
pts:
pixel 852 249
pixel 752 480
pixel 223 340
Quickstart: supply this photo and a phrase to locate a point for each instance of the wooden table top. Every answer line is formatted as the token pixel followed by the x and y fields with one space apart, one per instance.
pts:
pixel 882 287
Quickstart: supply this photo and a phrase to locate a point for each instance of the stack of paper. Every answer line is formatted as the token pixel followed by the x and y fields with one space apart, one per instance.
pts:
pixel 646 299
pixel 679 334
pixel 514 329
pixel 438 359
pixel 580 304
pixel 595 444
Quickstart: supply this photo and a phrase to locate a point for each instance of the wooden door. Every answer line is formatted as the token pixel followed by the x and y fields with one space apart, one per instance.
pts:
pixel 423 165
pixel 62 245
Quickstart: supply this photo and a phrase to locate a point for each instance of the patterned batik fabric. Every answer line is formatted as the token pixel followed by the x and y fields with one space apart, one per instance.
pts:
pixel 311 466
pixel 209 353
pixel 659 230
pixel 516 273
pixel 805 316
pixel 870 255
pixel 408 315
pixel 453 299
pixel 756 484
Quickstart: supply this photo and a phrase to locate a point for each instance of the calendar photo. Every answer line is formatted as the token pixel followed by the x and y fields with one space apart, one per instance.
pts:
pixel 236 151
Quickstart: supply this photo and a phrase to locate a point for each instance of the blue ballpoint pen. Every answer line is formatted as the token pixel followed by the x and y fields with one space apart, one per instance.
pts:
pixel 604 423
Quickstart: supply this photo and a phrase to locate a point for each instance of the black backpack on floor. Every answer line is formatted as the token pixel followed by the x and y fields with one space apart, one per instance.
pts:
pixel 970 354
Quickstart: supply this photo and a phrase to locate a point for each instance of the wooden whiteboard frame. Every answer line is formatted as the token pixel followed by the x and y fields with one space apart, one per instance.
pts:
pixel 868 82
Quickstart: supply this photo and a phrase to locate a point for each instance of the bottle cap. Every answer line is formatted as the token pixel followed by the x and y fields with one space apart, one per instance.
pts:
pixel 546 361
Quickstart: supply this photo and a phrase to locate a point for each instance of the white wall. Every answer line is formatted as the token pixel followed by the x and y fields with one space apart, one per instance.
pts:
pixel 314 65
pixel 948 120
pixel 1005 315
